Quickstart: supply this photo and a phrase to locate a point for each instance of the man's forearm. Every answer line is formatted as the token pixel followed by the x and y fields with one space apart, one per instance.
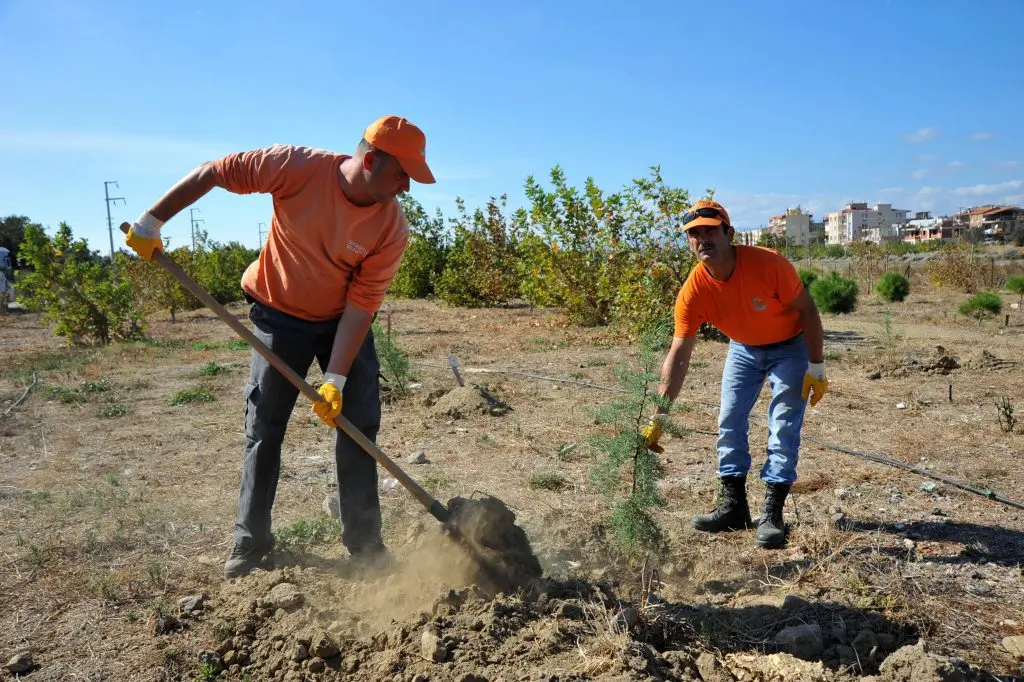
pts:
pixel 814 335
pixel 186 192
pixel 350 336
pixel 673 372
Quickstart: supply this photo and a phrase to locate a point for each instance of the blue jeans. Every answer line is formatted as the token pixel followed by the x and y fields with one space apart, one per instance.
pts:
pixel 746 367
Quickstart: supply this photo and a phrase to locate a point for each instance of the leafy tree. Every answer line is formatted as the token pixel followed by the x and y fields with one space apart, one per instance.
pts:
pixel 88 299
pixel 481 266
pixel 776 242
pixel 12 233
pixel 427 253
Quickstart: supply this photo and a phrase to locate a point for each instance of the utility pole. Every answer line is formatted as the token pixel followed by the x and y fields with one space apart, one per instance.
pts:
pixel 195 221
pixel 110 223
pixel 260 227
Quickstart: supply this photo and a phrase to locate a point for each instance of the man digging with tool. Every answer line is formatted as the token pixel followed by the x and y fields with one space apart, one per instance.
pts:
pixel 755 297
pixel 337 236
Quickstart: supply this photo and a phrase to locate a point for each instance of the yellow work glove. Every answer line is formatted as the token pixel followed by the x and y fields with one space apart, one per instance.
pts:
pixel 330 407
pixel 144 236
pixel 652 433
pixel 815 382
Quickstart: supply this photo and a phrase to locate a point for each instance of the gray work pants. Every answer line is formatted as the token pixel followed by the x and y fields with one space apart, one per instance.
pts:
pixel 269 403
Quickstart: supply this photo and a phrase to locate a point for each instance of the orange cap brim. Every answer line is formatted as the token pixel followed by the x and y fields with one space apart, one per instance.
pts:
pixel 701 222
pixel 418 170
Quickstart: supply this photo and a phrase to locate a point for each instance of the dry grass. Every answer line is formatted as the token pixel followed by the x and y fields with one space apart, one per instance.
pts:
pixel 106 517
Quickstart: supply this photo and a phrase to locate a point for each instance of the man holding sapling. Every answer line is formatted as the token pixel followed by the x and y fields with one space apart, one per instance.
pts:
pixel 337 236
pixel 754 296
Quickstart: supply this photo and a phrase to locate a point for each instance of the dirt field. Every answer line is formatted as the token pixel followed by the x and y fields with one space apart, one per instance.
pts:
pixel 116 505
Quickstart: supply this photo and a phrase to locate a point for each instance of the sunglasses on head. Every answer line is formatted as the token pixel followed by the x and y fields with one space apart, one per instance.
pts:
pixel 690 216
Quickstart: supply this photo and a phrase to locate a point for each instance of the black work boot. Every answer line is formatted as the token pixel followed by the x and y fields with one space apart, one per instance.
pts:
pixel 732 512
pixel 771 529
pixel 244 558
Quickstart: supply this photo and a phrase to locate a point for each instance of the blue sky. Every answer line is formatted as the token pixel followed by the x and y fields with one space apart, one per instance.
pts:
pixel 774 104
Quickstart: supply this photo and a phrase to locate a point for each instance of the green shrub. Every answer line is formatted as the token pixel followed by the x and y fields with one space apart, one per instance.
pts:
pixel 481 267
pixel 545 480
pixel 394 364
pixel 87 298
pixel 1016 286
pixel 893 287
pixel 835 293
pixel 981 305
pixel 193 395
pixel 807 276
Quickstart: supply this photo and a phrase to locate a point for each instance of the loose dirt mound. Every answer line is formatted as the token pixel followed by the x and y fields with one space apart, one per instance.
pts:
pixel 300 625
pixel 465 401
pixel 487 529
pixel 940 364
pixel 988 361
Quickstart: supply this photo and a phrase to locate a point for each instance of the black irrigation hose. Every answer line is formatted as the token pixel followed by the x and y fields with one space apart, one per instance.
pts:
pixel 990 494
pixel 879 459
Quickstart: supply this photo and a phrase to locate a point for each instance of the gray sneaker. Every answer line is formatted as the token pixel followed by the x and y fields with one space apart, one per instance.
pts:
pixel 243 559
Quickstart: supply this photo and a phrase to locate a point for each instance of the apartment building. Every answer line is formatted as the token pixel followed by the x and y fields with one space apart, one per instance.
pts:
pixel 794 224
pixel 856 221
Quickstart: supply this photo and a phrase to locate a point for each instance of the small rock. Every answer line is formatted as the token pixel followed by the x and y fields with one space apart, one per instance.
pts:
pixel 418 457
pixel 567 450
pixel 711 669
pixel 284 596
pixel 874 376
pixel 332 506
pixel 190 605
pixel 230 658
pixel 470 677
pixel 420 677
pixel 625 620
pixel 909 544
pixel 842 493
pixel 316 665
pixel 1015 645
pixel 929 486
pixel 901 406
pixel 803 641
pixel 21 662
pixel 431 647
pixel 324 647
pixel 212 659
pixel 300 652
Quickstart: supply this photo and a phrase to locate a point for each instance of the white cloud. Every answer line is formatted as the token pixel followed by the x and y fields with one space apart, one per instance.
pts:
pixel 954 165
pixel 981 137
pixel 920 135
pixel 988 189
pixel 752 209
pixel 919 173
pixel 925 158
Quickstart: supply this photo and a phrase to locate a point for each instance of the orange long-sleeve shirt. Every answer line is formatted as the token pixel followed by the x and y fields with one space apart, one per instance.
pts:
pixel 323 253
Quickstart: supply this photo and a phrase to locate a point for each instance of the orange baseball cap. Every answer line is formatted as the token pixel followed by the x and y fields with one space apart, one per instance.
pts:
pixel 401 139
pixel 705 213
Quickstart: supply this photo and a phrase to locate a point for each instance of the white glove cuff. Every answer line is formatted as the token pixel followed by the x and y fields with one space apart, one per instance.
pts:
pixel 336 379
pixel 147 226
pixel 816 370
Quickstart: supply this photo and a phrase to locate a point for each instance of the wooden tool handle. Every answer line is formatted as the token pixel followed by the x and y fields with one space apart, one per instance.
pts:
pixel 436 509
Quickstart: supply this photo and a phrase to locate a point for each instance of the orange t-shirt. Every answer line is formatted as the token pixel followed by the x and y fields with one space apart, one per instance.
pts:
pixel 752 307
pixel 323 253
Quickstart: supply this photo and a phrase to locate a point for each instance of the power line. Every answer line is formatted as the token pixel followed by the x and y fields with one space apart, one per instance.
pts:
pixel 194 221
pixel 110 223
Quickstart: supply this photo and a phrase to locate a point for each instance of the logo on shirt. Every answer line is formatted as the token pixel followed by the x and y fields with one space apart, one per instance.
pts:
pixel 758 303
pixel 358 248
